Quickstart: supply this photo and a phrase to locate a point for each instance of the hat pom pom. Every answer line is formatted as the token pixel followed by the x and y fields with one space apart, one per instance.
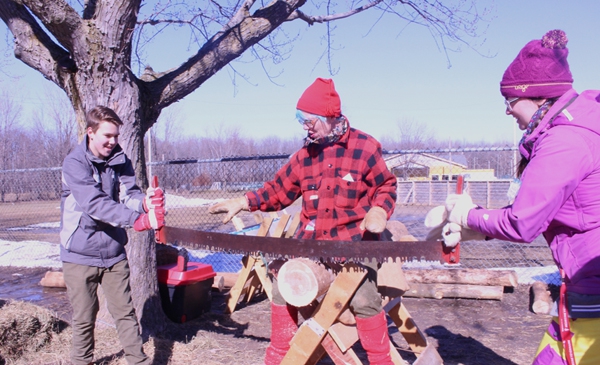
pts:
pixel 555 39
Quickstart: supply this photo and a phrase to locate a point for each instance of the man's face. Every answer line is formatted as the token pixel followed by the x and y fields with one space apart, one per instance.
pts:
pixel 318 129
pixel 104 140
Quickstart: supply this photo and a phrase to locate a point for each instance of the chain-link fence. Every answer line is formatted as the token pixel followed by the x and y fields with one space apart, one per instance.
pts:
pixel 29 201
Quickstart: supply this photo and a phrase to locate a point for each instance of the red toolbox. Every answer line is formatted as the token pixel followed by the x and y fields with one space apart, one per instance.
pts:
pixel 185 289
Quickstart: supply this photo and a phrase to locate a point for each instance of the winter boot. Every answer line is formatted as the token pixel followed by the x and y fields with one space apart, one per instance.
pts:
pixel 284 324
pixel 374 338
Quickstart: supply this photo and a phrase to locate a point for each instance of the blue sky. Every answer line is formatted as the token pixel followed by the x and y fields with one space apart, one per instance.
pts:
pixel 385 76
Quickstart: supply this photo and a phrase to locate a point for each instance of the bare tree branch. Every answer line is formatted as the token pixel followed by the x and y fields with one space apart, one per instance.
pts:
pixel 59 17
pixel 32 45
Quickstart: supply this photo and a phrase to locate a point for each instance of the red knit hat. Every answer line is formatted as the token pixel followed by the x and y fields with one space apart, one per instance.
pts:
pixel 320 98
pixel 540 70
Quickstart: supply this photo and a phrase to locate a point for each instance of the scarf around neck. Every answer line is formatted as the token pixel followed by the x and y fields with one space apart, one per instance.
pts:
pixel 336 133
pixel 534 122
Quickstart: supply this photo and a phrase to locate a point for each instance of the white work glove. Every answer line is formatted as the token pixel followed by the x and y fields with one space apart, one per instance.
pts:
pixel 155 197
pixel 231 207
pixel 375 220
pixel 453 234
pixel 435 219
pixel 458 206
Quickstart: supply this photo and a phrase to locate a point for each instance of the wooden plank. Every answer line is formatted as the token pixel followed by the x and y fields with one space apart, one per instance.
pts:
pixel 253 287
pixel 312 331
pixel 293 227
pixel 395 355
pixel 236 290
pixel 338 356
pixel 238 224
pixel 345 336
pixel 258 217
pixel 262 274
pixel 407 327
pixel 280 227
pixel 264 227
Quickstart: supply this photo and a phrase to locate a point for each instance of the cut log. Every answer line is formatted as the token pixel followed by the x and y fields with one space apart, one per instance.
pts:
pixel 302 280
pixel 53 279
pixel 463 276
pixel 439 291
pixel 219 283
pixel 229 278
pixel 542 300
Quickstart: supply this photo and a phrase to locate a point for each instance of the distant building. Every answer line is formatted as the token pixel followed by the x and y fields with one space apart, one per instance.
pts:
pixel 424 167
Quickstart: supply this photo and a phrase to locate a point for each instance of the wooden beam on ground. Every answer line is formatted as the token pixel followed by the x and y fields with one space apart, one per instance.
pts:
pixel 439 291
pixel 463 276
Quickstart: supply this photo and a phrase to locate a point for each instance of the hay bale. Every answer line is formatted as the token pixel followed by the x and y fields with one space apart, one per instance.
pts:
pixel 25 327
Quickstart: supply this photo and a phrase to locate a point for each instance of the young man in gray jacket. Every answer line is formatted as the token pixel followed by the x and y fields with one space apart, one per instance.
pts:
pixel 99 200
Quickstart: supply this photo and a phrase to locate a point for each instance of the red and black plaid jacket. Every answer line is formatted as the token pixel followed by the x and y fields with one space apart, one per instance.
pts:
pixel 338 183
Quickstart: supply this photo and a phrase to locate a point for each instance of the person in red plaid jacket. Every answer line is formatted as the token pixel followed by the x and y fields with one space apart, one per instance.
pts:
pixel 347 194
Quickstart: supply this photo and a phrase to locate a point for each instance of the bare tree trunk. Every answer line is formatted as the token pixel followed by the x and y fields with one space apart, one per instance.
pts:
pixel 144 284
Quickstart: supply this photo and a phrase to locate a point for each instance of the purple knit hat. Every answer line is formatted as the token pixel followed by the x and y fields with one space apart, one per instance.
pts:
pixel 540 70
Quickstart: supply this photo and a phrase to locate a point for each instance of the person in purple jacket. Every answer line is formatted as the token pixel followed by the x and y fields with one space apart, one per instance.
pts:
pixel 559 195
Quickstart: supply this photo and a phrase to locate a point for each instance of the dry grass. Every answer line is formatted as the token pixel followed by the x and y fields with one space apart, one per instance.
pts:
pixel 26 329
pixel 32 335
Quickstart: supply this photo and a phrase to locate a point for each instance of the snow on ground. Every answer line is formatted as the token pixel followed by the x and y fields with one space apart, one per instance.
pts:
pixel 29 254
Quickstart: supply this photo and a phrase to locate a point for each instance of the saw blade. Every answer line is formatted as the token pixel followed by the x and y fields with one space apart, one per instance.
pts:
pixel 326 250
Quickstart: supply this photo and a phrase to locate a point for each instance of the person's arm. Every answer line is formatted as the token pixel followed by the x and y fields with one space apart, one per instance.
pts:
pixel 384 195
pixel 276 194
pixel 560 162
pixel 78 176
pixel 383 181
pixel 130 193
pixel 281 191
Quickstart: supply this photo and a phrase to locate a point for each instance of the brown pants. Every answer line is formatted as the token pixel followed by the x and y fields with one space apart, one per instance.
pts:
pixel 82 284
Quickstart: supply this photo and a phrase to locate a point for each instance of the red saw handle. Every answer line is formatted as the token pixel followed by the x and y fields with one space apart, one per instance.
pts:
pixel 158 233
pixel 460 181
pixel 459 184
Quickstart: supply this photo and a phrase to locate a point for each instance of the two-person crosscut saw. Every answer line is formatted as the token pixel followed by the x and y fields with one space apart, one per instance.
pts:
pixel 273 247
pixel 326 250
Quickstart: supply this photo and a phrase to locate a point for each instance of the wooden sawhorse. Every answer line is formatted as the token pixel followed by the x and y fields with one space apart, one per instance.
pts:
pixel 321 334
pixel 254 275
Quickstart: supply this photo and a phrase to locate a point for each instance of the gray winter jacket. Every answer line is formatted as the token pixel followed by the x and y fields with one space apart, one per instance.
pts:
pixel 99 198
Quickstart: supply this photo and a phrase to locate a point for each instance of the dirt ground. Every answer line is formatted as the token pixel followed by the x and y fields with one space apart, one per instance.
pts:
pixel 469 332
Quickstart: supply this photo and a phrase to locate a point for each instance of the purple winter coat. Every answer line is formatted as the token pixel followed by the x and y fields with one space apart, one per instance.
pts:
pixel 560 192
